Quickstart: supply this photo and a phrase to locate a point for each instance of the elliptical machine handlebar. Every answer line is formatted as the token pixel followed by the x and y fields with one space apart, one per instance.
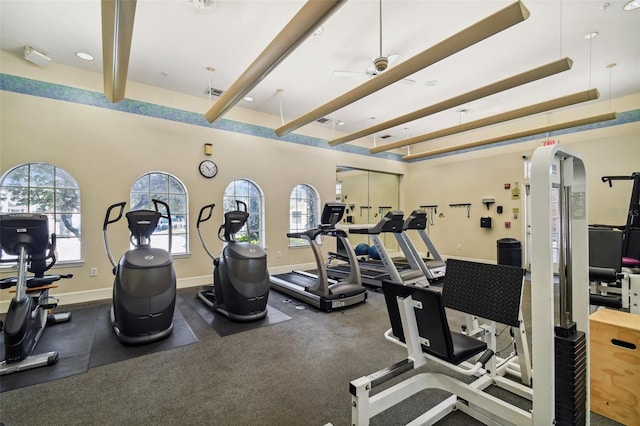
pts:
pixel 208 207
pixel 107 222
pixel 166 216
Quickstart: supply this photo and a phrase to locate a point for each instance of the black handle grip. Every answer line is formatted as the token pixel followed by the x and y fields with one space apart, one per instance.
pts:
pixel 202 210
pixel 486 356
pixel 108 215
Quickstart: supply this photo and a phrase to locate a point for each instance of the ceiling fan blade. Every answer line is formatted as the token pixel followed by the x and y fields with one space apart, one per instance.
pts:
pixel 348 74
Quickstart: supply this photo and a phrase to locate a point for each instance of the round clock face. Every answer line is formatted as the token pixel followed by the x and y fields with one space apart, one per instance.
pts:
pixel 208 168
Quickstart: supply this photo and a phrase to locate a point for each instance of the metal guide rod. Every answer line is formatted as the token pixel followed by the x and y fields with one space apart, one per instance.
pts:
pixel 21 285
pixel 562 259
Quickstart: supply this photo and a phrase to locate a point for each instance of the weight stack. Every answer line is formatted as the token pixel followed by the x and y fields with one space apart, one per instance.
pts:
pixel 571 378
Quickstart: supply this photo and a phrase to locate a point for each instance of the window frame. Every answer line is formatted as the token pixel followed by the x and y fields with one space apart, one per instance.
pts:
pixel 314 215
pixel 55 211
pixel 166 197
pixel 228 203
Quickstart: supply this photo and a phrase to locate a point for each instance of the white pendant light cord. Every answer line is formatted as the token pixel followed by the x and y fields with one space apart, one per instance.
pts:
pixel 279 91
pixel 211 70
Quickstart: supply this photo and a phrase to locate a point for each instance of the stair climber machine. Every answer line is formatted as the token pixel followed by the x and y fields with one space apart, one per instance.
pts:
pixel 316 289
pixel 240 287
pixel 24 237
pixel 144 288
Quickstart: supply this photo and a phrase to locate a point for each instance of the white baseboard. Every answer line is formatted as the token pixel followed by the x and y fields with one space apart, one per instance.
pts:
pixel 105 294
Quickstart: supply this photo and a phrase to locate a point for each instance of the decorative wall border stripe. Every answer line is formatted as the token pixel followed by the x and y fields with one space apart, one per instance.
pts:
pixel 60 92
pixel 15 84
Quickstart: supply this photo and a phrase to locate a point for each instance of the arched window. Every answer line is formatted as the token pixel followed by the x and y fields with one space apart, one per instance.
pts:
pixel 303 211
pixel 248 192
pixel 46 189
pixel 164 187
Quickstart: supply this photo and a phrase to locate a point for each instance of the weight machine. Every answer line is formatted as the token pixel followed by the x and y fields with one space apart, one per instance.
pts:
pixel 560 390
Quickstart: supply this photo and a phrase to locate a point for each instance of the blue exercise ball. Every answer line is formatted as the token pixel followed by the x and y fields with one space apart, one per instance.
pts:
pixel 362 249
pixel 373 253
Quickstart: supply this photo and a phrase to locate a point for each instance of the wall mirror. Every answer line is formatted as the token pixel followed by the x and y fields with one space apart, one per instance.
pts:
pixel 369 195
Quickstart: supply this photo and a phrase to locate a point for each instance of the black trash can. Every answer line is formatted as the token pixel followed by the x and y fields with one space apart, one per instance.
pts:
pixel 509 252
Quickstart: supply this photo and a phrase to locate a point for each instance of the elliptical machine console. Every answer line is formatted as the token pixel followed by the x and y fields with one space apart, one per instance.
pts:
pixel 240 287
pixel 144 288
pixel 26 235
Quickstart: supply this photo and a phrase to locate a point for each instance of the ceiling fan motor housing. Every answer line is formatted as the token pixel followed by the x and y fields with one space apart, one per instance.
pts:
pixel 381 63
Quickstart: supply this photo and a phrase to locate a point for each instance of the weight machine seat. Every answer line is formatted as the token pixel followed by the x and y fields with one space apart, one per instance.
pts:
pixel 436 337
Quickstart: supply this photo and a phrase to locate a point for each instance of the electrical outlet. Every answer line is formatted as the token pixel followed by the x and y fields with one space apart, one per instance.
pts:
pixel 93 272
pixel 458 247
pixel 278 254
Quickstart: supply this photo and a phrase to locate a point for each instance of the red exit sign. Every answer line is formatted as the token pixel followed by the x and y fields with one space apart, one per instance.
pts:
pixel 550 142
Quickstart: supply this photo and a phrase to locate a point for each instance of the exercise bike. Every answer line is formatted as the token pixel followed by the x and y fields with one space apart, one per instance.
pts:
pixel 144 288
pixel 240 287
pixel 26 235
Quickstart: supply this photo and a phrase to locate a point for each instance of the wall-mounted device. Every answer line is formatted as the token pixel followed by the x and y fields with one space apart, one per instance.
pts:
pixel 487 201
pixel 485 222
pixel 36 57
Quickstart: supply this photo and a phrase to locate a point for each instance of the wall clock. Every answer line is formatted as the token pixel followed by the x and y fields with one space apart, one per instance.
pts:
pixel 208 168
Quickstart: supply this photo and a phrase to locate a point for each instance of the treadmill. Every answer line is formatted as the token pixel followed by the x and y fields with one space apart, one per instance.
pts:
pixel 393 221
pixel 433 269
pixel 317 289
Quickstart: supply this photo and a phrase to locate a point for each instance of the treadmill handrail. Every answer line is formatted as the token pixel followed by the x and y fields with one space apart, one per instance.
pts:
pixel 416 220
pixel 309 234
pixel 393 221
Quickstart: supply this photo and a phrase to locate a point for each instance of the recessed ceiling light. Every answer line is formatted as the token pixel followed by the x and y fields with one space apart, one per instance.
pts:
pixel 632 5
pixel 84 56
pixel 340 123
pixel 590 35
pixel 248 98
pixel 431 83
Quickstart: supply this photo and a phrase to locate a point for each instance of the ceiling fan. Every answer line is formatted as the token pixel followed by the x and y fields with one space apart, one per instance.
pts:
pixel 378 64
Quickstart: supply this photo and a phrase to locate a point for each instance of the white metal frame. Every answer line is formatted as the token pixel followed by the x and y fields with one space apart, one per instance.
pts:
pixel 550 166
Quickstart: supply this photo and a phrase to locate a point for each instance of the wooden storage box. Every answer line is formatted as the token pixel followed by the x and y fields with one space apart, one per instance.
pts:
pixel 615 365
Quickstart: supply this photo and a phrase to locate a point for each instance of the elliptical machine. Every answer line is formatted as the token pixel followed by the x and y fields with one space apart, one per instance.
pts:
pixel 26 235
pixel 240 287
pixel 144 288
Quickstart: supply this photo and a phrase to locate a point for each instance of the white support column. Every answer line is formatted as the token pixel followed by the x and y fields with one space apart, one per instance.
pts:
pixel 546 170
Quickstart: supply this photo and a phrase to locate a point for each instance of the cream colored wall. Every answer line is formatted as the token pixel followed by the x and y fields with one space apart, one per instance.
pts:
pixel 467 178
pixel 106 151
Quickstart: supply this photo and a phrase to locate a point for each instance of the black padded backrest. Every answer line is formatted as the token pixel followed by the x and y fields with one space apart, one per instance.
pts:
pixel 489 291
pixel 431 319
pixel 605 248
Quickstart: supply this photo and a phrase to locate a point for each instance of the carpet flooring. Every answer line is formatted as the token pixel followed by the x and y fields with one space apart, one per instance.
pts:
pixel 294 372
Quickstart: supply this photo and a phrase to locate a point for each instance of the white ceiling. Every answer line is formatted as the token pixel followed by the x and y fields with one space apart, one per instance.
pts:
pixel 174 43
